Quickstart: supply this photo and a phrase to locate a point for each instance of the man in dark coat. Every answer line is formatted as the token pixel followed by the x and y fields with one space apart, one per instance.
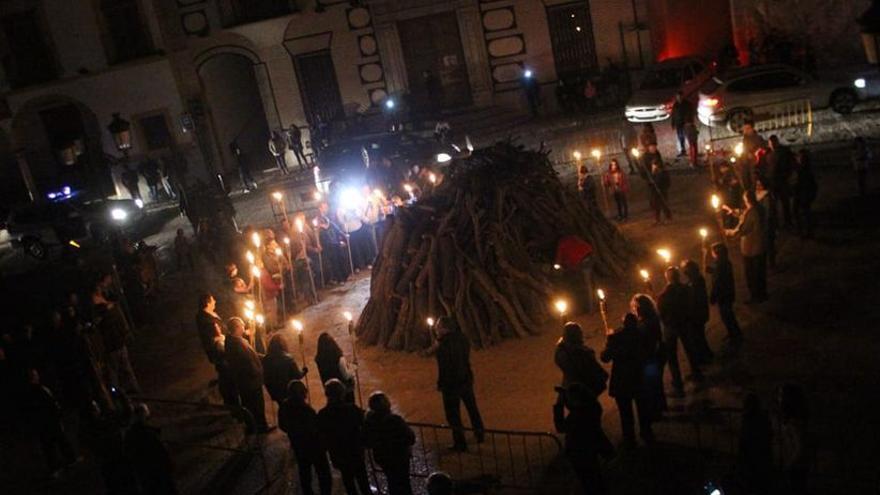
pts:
pixel 674 305
pixel 723 291
pixel 584 439
pixel 247 372
pixel 577 361
pixel 455 380
pixel 280 368
pixel 682 114
pixel 300 422
pixel 294 141
pixel 340 424
pixel 626 352
pixel 210 326
pixel 780 167
pixel 390 439
pixel 149 457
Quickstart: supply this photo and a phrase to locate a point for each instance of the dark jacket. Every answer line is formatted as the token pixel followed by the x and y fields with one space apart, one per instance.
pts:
pixel 579 365
pixel 389 437
pixel 244 363
pixel 341 428
pixel 112 326
pixel 453 362
pixel 661 179
pixel 723 287
pixel 278 371
pixel 150 460
pixel 207 324
pixel 780 162
pixel 300 422
pixel 626 352
pixel 674 304
pixel 583 429
pixel 699 301
pixel 682 113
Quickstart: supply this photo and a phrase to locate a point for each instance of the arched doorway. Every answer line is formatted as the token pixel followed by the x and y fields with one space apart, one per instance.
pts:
pixel 46 125
pixel 236 110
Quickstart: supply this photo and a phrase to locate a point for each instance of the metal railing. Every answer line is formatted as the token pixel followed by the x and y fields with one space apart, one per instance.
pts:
pixel 791 118
pixel 210 447
pixel 504 459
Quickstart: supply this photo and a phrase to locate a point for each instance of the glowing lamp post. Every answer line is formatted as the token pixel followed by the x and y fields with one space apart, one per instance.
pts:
pixel 603 310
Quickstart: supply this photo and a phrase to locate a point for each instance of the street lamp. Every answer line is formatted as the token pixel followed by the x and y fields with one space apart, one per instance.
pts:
pixel 120 130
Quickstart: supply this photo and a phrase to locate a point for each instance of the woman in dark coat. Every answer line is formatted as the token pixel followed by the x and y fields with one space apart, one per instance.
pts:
pixel 577 361
pixel 279 368
pixel 626 352
pixel 723 290
pixel 650 334
pixel 390 439
pixel 300 422
pixel 699 311
pixel 331 364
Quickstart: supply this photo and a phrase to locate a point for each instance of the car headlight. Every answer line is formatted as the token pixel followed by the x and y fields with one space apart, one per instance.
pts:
pixel 860 83
pixel 118 214
pixel 139 203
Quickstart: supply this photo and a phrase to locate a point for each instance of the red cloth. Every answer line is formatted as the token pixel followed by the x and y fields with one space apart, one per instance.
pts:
pixel 571 251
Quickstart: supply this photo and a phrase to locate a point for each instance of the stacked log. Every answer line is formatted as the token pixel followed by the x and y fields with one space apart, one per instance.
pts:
pixel 478 247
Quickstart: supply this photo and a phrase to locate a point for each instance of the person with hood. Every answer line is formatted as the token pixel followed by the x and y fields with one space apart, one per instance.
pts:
pixel 696 285
pixel 149 457
pixel 674 304
pixel 577 361
pixel 455 381
pixel 341 424
pixel 247 372
pixel 626 352
pixel 297 418
pixel 723 292
pixel 390 439
pixel 585 440
pixel 332 364
pixel 280 368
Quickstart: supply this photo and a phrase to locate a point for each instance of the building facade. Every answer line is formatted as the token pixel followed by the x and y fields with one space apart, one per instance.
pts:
pixel 194 76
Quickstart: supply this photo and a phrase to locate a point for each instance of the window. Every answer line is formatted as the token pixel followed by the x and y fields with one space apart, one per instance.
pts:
pixel 571 35
pixel 28 59
pixel 154 129
pixel 125 33
pixel 245 11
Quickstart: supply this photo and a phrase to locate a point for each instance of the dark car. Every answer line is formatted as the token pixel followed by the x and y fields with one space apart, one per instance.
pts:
pixel 37 227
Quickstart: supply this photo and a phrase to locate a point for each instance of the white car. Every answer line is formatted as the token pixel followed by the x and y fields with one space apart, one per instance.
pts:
pixel 652 102
pixel 757 93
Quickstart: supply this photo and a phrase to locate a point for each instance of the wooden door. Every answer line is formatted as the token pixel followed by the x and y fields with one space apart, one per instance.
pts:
pixel 318 86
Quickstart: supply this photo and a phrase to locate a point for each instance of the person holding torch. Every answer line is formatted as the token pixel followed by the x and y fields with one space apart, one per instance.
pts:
pixel 455 380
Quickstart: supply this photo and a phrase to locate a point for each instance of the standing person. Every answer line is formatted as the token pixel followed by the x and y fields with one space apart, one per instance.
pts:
pixel 751 233
pixel 659 187
pixel 674 304
pixel 626 352
pixel 150 459
pixel 44 413
pixel 651 339
pixel 277 149
pixel 862 158
pixel 210 328
pixel 390 439
pixel 183 251
pixel 332 365
pixel 247 371
pixel 805 191
pixel 165 177
pixel 455 381
pixel 616 181
pixel 280 368
pixel 629 140
pixel 723 292
pixel 752 142
pixel 587 189
pixel 149 169
pixel 780 161
pixel 755 456
pixel 795 446
pixel 682 114
pixel 699 310
pixel 332 242
pixel 294 141
pixel 340 424
pixel 244 170
pixel 577 361
pixel 532 89
pixel 648 137
pixel 238 290
pixel 585 440
pixel 575 256
pixel 297 418
pixel 115 334
pixel 693 140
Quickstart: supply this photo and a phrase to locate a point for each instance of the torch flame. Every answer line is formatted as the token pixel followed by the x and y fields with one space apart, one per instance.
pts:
pixel 645 275
pixel 249 314
pixel 432 178
pixel 601 294
pixel 297 325
pixel 635 152
pixel 260 319
pixel 255 271
pixel 347 315
pixel 249 304
pixel 596 153
pixel 317 196
pixel 665 254
pixel 430 321
pixel 250 257
pixel 299 225
pixel 287 240
pixel 704 233
pixel 277 196
pixel 716 201
pixel 561 306
pixel 738 149
pixel 278 252
pixel 255 238
pixel 577 155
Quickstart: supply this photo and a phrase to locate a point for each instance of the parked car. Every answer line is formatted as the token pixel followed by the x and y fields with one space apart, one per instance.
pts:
pixel 755 93
pixel 37 227
pixel 652 101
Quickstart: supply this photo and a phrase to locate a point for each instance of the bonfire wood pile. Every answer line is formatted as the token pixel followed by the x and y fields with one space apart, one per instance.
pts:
pixel 478 247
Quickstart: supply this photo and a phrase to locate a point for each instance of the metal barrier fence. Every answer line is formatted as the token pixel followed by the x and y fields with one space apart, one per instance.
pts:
pixel 505 459
pixel 209 446
pixel 792 119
